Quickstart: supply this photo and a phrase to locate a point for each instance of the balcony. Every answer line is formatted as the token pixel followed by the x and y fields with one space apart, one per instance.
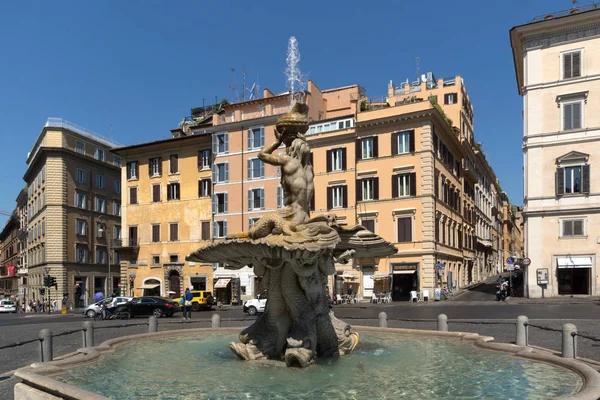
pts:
pixel 126 243
pixel 469 171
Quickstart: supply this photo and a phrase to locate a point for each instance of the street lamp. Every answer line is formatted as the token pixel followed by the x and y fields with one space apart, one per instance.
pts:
pixel 104 232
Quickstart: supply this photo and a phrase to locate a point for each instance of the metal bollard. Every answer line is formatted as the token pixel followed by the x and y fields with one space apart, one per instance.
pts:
pixel 522 330
pixel 46 345
pixel 152 324
pixel 442 323
pixel 383 320
pixel 216 321
pixel 88 334
pixel 569 341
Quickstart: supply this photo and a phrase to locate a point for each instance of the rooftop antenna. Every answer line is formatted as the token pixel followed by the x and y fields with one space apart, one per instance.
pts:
pixel 417 61
pixel 575 3
pixel 234 86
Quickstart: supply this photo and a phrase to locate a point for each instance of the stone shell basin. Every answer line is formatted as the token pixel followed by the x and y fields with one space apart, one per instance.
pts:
pixel 38 382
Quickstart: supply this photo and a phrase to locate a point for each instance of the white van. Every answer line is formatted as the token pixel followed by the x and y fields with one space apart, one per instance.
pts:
pixel 7 306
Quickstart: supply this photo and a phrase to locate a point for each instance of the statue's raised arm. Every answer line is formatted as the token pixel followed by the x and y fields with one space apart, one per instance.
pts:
pixel 266 153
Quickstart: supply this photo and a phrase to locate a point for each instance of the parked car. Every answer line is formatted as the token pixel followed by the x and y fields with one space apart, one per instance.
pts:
pixel 8 306
pixel 255 306
pixel 152 305
pixel 93 309
pixel 202 300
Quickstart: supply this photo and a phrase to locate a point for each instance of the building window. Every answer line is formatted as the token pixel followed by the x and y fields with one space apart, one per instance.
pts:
pixel 117 209
pixel 100 181
pixel 336 160
pixel 155 260
pixel 571 65
pixel 205 230
pixel 81 252
pixel 100 204
pixel 173 191
pixel 256 168
pixel 132 170
pixel 155 166
pixel 367 148
pixel 571 228
pixel 156 193
pixel 403 142
pixel 573 180
pixel 337 197
pixel 220 203
pixel 256 138
pixel 174 164
pixel 369 224
pixel 252 221
pixel 204 187
pixel 81 175
pixel 221 172
pixel 100 155
pixel 280 198
pixel 155 233
pixel 572 115
pixel 117 161
pixel 101 255
pixel 204 159
pixel 220 229
pixel 80 200
pixel 256 199
pixel 367 189
pixel 133 195
pixel 117 186
pixel 220 142
pixel 404 229
pixel 80 147
pixel 80 227
pixel 174 232
pixel 404 185
pixel 117 234
pixel 451 98
pixel 173 258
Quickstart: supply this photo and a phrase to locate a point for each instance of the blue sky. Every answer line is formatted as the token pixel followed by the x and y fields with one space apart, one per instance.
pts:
pixel 141 65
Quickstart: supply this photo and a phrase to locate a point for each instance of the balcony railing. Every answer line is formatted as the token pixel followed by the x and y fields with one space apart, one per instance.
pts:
pixel 62 123
pixel 127 242
pixel 564 13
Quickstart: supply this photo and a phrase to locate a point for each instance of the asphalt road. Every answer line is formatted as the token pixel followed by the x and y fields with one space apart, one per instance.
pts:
pixel 464 317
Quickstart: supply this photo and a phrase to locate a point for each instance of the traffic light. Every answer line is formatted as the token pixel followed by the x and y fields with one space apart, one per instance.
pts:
pixel 53 282
pixel 42 291
pixel 47 281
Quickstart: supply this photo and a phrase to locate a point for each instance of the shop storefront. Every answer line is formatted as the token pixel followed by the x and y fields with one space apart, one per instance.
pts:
pixel 404 280
pixel 574 275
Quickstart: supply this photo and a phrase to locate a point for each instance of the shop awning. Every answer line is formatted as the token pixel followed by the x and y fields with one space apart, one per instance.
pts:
pixel 574 262
pixel 348 276
pixel 406 272
pixel 222 283
pixel 149 286
pixel 381 276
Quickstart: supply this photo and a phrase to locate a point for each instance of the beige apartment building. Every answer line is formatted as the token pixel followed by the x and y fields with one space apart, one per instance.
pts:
pixel 73 213
pixel 557 65
pixel 166 214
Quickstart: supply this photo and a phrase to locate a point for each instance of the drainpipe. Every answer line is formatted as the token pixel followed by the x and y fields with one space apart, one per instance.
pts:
pixel 242 170
pixel 435 272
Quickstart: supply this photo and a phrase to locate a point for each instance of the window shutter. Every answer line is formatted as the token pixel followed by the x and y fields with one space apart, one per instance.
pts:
pixel 226 142
pixel 585 177
pixel 560 181
pixel 150 167
pixel 226 202
pixel 329 198
pixel 446 98
pixel 328 157
pixel 394 186
pixel 262 199
pixel 208 187
pixel 169 192
pixel 137 169
pixel 578 227
pixel 215 145
pixel 413 184
pixel 411 141
pixel 262 137
pixel 400 228
pixel 395 143
pixel 310 158
pixel 344 166
pixel 200 160
pixel 250 200
pixel 359 195
pixel 375 146
pixel 200 188
pixel 358 148
pixel 156 193
pixel 567 121
pixel 214 203
pixel 567 228
pixel 214 173
pixel 408 229
pixel 567 66
pixel 375 188
pixel 279 197
pixel 250 146
pixel 576 113
pixel 262 169
pixel 215 230
pixel 225 228
pixel 345 196
pixel 249 169
pixel 576 64
pixel 227 172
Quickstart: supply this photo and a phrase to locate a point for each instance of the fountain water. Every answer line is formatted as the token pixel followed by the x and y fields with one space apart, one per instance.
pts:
pixel 296 80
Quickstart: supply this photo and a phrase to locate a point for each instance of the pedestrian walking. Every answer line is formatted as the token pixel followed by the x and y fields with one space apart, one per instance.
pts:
pixel 187 305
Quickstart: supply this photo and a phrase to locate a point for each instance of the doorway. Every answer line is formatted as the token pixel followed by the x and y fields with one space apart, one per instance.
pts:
pixel 573 281
pixel 175 284
pixel 402 284
pixel 368 283
pixel 151 287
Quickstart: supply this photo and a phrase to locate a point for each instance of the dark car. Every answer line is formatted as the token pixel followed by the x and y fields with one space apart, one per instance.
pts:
pixel 152 305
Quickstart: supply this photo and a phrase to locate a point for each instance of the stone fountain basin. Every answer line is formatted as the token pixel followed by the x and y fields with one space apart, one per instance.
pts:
pixel 38 378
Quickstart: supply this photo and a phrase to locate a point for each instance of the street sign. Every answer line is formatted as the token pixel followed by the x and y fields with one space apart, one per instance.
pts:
pixel 526 262
pixel 509 267
pixel 46 270
pixel 510 260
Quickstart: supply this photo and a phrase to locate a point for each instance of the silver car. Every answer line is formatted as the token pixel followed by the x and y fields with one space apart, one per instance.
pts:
pixel 93 309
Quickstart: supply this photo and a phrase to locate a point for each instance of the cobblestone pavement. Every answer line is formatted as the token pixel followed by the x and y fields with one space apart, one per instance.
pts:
pixel 503 330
